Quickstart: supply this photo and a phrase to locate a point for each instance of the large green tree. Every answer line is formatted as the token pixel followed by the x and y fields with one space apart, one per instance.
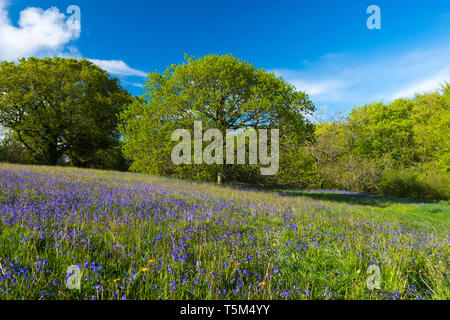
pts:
pixel 61 108
pixel 224 93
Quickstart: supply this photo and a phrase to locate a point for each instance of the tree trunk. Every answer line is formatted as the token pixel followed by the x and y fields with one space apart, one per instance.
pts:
pixel 219 178
pixel 52 156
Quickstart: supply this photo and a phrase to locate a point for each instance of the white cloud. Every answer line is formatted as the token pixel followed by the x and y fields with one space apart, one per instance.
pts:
pixel 342 81
pixel 39 32
pixel 118 67
pixel 314 87
pixel 47 33
pixel 3 12
pixel 432 83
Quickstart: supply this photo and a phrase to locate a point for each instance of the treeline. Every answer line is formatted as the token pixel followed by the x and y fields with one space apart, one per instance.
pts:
pixel 397 149
pixel 71 112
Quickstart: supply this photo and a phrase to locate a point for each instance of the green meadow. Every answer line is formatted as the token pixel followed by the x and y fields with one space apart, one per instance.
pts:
pixel 136 236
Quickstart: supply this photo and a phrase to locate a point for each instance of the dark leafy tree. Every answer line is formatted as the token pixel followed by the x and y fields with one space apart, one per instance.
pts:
pixel 61 108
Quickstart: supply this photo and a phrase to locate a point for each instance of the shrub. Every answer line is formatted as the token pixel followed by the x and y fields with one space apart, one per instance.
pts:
pixel 408 183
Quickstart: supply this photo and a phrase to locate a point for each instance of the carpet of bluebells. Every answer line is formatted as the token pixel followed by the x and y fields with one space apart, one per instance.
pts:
pixel 141 237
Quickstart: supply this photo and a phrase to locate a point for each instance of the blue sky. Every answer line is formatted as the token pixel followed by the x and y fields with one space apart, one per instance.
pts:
pixel 322 47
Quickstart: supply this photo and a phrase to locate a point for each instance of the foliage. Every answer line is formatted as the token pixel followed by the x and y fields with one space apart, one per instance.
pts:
pixel 71 112
pixel 409 183
pixel 224 93
pixel 12 150
pixel 399 149
pixel 61 108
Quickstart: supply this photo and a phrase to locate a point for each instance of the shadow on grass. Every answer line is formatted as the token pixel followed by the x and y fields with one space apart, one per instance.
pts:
pixel 434 214
pixel 353 198
pixel 338 196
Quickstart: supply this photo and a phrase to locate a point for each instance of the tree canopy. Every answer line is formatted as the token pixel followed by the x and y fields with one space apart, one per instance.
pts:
pixel 61 108
pixel 223 92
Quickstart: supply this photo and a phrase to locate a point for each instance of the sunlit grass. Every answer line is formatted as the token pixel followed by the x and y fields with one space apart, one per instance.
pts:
pixel 143 237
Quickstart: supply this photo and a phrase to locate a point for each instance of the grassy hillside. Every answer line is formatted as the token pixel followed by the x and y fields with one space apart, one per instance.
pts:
pixel 142 237
pixel 434 214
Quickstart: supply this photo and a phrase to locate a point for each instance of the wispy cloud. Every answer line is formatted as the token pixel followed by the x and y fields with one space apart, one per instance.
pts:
pixel 43 33
pixel 342 81
pixel 431 83
pixel 327 88
pixel 118 67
